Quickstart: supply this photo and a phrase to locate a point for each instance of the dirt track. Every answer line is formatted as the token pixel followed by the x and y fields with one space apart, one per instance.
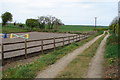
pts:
pixel 96 66
pixel 53 70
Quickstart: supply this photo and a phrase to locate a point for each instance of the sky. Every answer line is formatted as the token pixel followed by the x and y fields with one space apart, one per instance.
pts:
pixel 71 12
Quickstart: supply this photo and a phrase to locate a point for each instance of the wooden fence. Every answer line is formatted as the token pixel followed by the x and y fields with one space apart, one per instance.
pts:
pixel 75 38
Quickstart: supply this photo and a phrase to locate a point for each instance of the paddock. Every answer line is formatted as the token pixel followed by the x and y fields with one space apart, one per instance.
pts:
pixel 32 36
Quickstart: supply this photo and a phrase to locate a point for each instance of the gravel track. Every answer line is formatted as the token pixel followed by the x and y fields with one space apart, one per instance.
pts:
pixel 53 70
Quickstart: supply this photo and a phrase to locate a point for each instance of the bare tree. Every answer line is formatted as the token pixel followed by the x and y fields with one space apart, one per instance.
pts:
pixel 51 21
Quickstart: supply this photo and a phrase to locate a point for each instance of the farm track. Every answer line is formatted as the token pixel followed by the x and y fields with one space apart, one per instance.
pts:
pixel 53 70
pixel 96 69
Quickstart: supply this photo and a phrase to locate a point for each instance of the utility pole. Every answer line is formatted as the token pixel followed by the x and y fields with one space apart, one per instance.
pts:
pixel 95 22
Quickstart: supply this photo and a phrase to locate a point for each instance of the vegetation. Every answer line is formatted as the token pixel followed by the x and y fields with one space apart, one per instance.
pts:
pixel 49 21
pixel 13 29
pixel 112 56
pixel 81 28
pixel 7 16
pixel 10 28
pixel 112 47
pixel 115 26
pixel 79 66
pixel 32 23
pixel 30 70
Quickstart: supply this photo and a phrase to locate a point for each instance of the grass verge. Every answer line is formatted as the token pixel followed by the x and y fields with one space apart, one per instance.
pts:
pixel 112 57
pixel 31 70
pixel 79 66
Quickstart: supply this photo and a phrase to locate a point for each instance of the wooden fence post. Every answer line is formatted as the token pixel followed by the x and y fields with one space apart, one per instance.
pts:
pixel 63 41
pixel 76 38
pixel 85 35
pixel 25 48
pixel 68 39
pixel 79 37
pixel 2 55
pixel 73 38
pixel 42 46
pixel 82 36
pixel 54 43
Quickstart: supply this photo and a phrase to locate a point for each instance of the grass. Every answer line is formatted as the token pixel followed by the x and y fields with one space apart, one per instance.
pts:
pixel 112 48
pixel 13 29
pixel 31 70
pixel 70 28
pixel 112 57
pixel 10 28
pixel 79 66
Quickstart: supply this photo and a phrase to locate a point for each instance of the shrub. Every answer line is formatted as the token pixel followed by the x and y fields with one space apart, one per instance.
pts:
pixel 32 23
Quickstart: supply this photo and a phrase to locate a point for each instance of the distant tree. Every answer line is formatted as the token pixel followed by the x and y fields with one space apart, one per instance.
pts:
pixel 14 23
pixel 21 25
pixel 51 21
pixel 7 16
pixel 57 23
pixel 115 25
pixel 42 22
pixel 32 23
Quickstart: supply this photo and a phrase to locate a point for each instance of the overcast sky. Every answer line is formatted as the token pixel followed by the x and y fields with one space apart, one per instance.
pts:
pixel 80 12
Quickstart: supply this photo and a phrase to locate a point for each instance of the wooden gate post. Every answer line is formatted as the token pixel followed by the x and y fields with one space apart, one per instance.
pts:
pixel 25 48
pixel 42 46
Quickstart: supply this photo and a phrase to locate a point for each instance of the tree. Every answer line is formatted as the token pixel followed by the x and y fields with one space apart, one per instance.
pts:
pixel 42 22
pixel 51 21
pixel 57 23
pixel 115 25
pixel 7 16
pixel 32 23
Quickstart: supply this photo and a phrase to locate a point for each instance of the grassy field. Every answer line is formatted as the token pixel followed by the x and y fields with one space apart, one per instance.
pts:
pixel 80 28
pixel 12 29
pixel 65 28
pixel 79 66
pixel 30 70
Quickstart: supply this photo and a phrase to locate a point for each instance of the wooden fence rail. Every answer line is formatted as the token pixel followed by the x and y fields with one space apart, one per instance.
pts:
pixel 68 39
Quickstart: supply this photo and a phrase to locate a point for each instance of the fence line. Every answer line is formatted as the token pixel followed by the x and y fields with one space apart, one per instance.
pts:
pixel 75 38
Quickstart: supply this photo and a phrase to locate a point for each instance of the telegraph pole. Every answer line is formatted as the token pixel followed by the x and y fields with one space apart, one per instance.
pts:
pixel 95 22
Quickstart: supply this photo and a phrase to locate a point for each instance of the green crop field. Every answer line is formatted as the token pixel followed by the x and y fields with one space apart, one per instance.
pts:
pixel 65 28
pixel 68 28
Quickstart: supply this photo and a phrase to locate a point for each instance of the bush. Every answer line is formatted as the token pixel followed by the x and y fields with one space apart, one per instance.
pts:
pixel 32 23
pixel 21 25
pixel 112 46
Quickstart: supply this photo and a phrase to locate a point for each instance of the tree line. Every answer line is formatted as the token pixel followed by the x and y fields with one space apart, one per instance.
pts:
pixel 42 22
pixel 115 25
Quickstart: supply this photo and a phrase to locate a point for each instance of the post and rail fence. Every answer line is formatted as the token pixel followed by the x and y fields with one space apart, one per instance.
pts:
pixel 69 40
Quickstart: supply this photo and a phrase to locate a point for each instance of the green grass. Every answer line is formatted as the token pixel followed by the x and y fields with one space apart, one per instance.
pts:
pixel 10 28
pixel 30 70
pixel 112 48
pixel 69 28
pixel 13 29
pixel 79 66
